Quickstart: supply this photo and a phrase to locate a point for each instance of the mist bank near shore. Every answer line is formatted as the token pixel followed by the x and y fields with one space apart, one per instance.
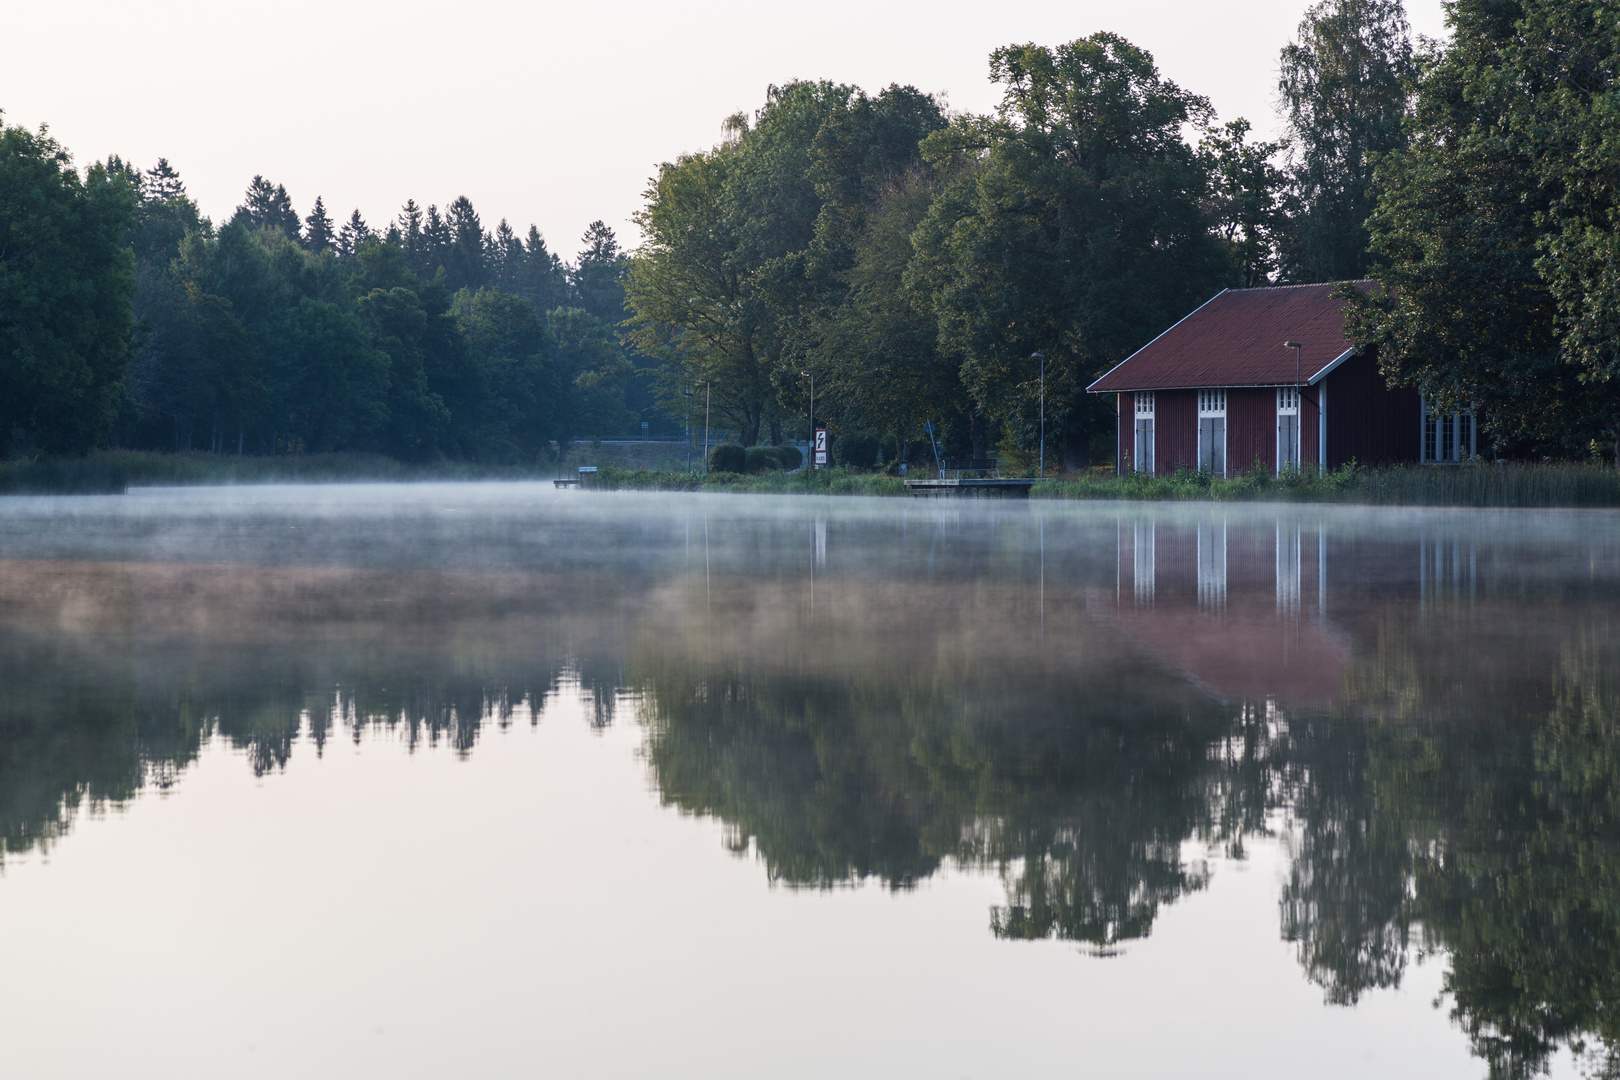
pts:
pixel 1549 485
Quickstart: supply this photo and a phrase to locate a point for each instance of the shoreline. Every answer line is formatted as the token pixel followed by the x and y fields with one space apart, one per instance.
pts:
pixel 1546 486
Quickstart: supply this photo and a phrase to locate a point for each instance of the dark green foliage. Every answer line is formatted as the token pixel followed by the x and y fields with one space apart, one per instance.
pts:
pixel 66 282
pixel 858 450
pixel 1344 87
pixel 355 232
pixel 318 228
pixel 1485 224
pixel 791 457
pixel 267 206
pixel 1245 200
pixel 728 457
pixel 766 459
pixel 1072 226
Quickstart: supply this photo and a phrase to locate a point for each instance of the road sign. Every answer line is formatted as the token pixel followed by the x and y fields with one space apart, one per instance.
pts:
pixel 820 458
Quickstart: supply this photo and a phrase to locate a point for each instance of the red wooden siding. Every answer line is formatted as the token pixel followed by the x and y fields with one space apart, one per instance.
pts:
pixel 1368 421
pixel 1251 429
pixel 1175 431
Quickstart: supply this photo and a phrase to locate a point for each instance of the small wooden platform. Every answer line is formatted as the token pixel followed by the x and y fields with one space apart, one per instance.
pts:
pixel 570 482
pixel 974 486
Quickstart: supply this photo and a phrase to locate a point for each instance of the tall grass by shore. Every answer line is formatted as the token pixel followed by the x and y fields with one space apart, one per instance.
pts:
pixel 1552 485
pixel 1514 485
pixel 1508 485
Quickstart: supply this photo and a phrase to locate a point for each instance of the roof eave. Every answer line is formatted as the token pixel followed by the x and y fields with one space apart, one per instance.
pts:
pixel 1092 389
pixel 1328 370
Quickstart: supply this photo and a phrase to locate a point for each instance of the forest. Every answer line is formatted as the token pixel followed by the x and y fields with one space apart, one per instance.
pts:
pixel 907 260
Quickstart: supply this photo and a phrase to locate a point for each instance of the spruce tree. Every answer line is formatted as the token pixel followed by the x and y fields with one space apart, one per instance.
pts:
pixel 467 260
pixel 354 231
pixel 436 240
pixel 318 228
pixel 162 183
pixel 268 207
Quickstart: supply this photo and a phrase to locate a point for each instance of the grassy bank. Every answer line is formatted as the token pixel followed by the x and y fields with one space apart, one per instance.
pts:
pixel 1559 485
pixel 836 481
pixel 1553 485
pixel 1476 485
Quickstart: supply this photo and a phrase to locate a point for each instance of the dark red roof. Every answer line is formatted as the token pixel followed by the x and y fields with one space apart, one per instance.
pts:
pixel 1236 339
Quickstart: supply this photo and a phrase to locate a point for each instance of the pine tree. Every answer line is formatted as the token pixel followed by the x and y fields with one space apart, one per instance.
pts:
pixel 318 228
pixel 162 183
pixel 507 257
pixel 268 207
pixel 467 260
pixel 354 231
pixel 436 239
pixel 598 279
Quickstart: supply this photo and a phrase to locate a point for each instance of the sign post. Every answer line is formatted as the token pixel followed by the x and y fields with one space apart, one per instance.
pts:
pixel 819 453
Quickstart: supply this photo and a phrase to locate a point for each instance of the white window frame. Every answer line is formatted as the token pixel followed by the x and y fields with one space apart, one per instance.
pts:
pixel 1447 438
pixel 1212 406
pixel 1288 405
pixel 1143 459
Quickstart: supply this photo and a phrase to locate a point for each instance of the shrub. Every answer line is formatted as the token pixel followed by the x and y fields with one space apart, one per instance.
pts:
pixel 763 459
pixel 858 450
pixel 728 457
pixel 791 457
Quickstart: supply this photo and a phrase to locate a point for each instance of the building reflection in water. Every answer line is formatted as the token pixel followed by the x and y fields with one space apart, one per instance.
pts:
pixel 1083 705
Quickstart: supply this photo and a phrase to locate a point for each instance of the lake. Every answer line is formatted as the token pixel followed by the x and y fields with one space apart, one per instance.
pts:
pixel 499 780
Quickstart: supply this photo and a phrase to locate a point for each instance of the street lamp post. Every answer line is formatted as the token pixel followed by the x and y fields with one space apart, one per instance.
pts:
pixel 1299 407
pixel 812 436
pixel 1042 358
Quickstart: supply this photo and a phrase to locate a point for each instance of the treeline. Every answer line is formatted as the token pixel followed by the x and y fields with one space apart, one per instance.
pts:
pixel 908 262
pixel 128 318
pixel 913 262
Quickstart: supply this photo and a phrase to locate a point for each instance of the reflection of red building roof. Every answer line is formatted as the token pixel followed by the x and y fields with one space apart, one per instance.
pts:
pixel 1247 654
pixel 1236 339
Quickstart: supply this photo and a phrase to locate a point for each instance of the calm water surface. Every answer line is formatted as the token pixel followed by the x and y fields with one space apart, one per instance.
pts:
pixel 496 780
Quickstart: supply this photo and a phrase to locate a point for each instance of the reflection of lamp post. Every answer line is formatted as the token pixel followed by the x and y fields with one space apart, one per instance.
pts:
pixel 812 436
pixel 1042 358
pixel 707 391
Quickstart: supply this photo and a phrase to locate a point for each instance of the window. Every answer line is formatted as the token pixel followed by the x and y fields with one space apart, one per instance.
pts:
pixel 1144 431
pixel 1212 431
pixel 1448 438
pixel 1287 428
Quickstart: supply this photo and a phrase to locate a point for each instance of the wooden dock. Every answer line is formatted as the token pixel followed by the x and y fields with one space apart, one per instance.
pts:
pixel 974 487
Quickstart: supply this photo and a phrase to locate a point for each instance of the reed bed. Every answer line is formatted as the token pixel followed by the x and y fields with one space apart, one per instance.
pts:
pixel 1508 485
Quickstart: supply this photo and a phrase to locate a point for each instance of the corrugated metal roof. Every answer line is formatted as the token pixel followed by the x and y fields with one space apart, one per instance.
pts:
pixel 1236 339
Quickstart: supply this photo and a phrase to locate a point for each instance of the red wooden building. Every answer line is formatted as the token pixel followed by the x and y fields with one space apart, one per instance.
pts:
pixel 1225 389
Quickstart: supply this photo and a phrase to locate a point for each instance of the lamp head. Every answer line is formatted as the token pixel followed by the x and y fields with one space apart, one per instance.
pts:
pixel 1037 356
pixel 1292 345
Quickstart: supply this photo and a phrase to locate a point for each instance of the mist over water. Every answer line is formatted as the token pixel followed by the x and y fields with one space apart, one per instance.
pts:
pixel 614 782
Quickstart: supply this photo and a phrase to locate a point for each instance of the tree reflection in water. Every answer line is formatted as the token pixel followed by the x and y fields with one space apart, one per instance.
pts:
pixel 1434 732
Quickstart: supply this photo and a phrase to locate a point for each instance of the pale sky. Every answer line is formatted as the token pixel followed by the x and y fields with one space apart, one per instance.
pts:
pixel 554 114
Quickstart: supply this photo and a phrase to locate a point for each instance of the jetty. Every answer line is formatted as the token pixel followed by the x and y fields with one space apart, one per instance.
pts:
pixel 977 478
